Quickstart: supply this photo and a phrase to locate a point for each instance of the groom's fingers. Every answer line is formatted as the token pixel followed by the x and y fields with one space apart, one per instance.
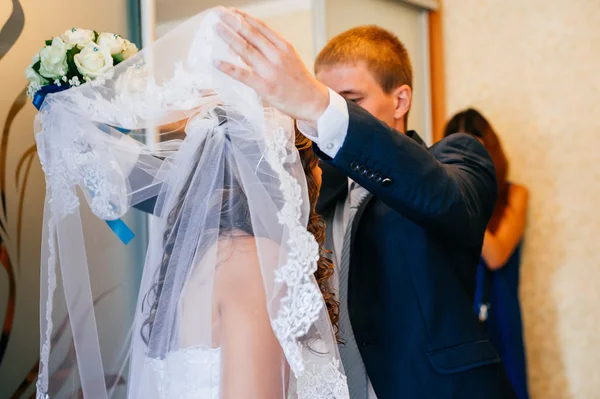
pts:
pixel 249 34
pixel 267 32
pixel 246 76
pixel 249 54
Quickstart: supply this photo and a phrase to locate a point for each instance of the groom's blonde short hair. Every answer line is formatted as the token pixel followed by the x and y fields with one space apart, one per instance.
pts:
pixel 384 54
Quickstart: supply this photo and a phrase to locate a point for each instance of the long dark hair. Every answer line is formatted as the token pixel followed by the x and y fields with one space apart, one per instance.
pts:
pixel 472 122
pixel 316 226
pixel 237 219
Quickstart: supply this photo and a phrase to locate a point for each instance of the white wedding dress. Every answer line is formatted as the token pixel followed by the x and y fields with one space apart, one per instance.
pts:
pixel 191 373
pixel 194 373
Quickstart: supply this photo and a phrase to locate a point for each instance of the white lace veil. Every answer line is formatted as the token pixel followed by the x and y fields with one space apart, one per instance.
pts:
pixel 234 178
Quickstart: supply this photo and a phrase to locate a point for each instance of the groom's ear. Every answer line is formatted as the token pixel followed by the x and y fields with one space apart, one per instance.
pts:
pixel 402 100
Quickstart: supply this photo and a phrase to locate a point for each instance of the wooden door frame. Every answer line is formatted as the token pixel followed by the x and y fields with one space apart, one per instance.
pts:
pixel 437 72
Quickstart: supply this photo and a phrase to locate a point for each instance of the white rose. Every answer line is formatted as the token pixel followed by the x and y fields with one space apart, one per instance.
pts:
pixel 129 50
pixel 35 58
pixel 115 42
pixel 34 77
pixel 54 59
pixel 133 80
pixel 78 37
pixel 93 60
pixel 31 75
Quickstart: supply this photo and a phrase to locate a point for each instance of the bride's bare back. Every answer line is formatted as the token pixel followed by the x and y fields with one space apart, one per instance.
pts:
pixel 253 364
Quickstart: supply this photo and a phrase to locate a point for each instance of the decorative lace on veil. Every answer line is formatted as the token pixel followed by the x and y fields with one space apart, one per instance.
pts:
pixel 235 169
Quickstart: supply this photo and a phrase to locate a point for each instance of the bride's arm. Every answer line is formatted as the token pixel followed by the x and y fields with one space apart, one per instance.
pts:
pixel 253 363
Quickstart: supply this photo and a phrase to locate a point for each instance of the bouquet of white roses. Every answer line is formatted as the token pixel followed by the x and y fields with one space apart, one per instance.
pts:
pixel 75 57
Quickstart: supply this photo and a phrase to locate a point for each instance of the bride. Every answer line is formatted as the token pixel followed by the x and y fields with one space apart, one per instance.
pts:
pixel 234 300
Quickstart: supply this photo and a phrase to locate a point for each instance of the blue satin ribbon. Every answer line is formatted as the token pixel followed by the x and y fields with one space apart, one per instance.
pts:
pixel 106 129
pixel 124 131
pixel 40 96
pixel 118 226
pixel 121 230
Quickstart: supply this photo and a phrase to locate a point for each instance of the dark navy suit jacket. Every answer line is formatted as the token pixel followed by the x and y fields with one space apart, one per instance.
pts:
pixel 416 246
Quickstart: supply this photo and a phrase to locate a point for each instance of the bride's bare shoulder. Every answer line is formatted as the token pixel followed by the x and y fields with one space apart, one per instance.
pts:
pixel 242 262
pixel 239 251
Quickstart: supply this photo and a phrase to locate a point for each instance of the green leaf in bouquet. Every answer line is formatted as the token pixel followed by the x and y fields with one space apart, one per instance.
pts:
pixel 118 58
pixel 96 34
pixel 49 42
pixel 73 71
pixel 36 66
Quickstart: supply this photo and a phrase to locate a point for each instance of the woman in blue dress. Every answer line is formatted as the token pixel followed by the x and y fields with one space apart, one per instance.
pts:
pixel 497 296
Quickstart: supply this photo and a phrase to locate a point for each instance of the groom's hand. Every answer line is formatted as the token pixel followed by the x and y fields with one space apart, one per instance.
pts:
pixel 275 71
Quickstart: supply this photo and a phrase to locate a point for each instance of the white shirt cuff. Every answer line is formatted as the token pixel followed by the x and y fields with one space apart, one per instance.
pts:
pixel 332 126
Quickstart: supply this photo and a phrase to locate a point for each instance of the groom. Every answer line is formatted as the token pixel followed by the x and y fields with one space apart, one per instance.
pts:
pixel 408 221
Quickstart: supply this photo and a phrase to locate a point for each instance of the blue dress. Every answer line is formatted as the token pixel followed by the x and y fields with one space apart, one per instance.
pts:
pixel 498 292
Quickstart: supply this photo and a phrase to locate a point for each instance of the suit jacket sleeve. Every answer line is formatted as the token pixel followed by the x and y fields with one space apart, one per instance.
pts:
pixel 450 188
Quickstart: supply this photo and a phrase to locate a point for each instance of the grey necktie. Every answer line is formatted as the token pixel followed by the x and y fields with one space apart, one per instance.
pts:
pixel 351 359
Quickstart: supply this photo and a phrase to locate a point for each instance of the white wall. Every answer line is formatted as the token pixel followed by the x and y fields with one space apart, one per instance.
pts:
pixel 532 68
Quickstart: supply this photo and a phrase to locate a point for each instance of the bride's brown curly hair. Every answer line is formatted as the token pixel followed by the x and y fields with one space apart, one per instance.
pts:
pixel 316 226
